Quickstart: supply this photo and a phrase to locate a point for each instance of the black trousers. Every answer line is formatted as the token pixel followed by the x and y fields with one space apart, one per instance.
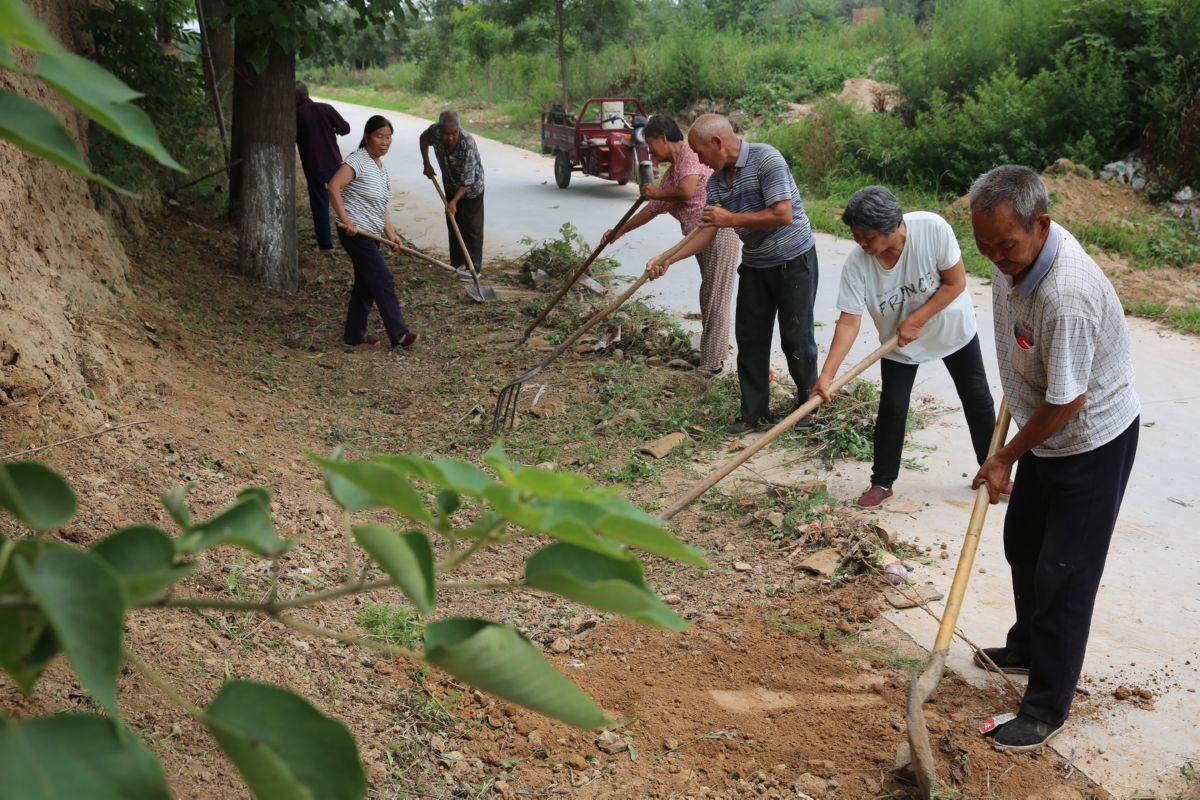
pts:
pixel 373 285
pixel 469 217
pixel 970 381
pixel 787 291
pixel 318 203
pixel 1056 535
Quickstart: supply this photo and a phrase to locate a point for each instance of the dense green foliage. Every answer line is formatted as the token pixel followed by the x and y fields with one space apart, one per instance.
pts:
pixel 981 82
pixel 1024 81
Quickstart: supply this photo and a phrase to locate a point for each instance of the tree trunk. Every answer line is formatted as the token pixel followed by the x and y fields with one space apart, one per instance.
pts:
pixel 562 56
pixel 487 69
pixel 265 132
pixel 216 60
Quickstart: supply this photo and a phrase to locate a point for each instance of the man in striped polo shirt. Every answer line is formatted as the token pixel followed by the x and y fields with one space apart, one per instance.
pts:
pixel 1063 350
pixel 752 191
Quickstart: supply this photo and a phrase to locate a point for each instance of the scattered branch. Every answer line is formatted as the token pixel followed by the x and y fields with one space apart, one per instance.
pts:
pixel 91 435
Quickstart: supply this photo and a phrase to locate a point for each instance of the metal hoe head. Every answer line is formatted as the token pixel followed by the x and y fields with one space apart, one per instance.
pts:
pixel 480 293
pixel 920 753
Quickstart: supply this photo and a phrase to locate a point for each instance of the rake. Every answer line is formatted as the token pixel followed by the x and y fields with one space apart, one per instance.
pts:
pixel 473 291
pixel 771 435
pixel 578 273
pixel 920 753
pixel 506 404
pixel 486 294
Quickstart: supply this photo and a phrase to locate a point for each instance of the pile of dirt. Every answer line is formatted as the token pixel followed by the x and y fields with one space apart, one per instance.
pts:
pixel 1075 196
pixel 61 269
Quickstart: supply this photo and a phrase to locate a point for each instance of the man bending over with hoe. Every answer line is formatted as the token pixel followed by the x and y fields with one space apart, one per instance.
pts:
pixel 1063 350
pixel 752 191
pixel 462 182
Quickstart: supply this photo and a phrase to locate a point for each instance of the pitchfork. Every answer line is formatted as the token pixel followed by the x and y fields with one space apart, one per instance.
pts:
pixel 506 404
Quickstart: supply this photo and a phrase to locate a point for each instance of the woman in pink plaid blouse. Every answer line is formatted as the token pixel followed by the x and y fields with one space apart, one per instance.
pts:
pixel 681 194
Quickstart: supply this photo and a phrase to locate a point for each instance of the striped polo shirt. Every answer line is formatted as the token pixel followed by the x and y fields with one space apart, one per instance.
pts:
pixel 761 179
pixel 1060 333
pixel 366 196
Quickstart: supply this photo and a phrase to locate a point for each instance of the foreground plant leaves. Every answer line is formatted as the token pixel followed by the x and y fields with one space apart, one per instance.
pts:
pixel 246 524
pixel 283 747
pixel 75 756
pixel 143 557
pixel 609 584
pixel 82 598
pixel 35 494
pixel 406 557
pixel 499 660
pixel 27 643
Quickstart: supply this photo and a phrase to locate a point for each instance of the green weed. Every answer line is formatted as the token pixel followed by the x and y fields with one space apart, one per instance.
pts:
pixel 391 624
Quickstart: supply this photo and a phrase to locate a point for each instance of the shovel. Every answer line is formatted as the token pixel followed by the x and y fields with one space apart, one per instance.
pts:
pixel 506 404
pixel 577 274
pixel 786 423
pixel 482 294
pixel 920 754
pixel 418 254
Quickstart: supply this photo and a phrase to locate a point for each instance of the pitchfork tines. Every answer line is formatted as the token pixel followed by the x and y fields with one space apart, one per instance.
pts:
pixel 505 415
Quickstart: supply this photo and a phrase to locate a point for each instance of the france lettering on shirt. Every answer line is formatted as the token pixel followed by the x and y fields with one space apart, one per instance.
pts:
pixel 928 282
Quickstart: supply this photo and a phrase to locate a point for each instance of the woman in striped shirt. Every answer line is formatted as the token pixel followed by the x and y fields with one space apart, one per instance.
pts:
pixel 359 191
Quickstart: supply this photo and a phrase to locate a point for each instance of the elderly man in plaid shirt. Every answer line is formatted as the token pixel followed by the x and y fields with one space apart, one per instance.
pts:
pixel 462 181
pixel 752 191
pixel 1063 350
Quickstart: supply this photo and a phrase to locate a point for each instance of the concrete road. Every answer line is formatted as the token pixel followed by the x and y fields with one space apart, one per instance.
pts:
pixel 1146 631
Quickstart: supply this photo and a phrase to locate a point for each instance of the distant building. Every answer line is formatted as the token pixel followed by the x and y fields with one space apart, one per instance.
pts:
pixel 861 16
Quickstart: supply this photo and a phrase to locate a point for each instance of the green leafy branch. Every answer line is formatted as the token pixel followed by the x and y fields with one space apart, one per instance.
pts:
pixel 55 598
pixel 94 91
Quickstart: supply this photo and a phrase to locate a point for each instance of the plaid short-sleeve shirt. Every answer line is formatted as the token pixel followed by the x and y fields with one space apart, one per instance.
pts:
pixel 460 166
pixel 1061 333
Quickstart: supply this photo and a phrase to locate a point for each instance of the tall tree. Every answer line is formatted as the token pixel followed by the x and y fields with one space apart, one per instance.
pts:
pixel 267 244
pixel 268 37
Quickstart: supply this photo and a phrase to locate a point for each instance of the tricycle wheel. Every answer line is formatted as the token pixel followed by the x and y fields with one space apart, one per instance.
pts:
pixel 562 170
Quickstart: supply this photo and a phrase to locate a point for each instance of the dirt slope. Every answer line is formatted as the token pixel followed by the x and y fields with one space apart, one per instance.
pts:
pixel 61 269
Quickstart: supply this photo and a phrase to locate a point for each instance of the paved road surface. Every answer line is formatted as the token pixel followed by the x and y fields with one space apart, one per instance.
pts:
pixel 1147 622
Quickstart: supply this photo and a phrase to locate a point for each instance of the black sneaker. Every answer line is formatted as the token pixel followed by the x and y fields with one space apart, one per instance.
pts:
pixel 1008 662
pixel 740 426
pixel 1024 734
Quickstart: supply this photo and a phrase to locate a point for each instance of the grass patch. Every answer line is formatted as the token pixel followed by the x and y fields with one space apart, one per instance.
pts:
pixel 1185 319
pixel 391 624
pixel 1148 242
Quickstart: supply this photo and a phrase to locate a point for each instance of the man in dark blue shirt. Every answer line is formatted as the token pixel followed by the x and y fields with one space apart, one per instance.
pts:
pixel 752 191
pixel 317 127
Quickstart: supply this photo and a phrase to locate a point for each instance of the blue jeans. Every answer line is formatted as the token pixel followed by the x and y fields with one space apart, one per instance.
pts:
pixel 318 201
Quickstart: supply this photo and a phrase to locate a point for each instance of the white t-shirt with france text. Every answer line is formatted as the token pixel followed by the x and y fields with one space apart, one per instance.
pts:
pixel 890 295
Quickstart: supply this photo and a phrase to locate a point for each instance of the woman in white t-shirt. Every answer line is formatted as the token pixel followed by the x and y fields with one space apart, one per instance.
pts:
pixel 907 273
pixel 360 193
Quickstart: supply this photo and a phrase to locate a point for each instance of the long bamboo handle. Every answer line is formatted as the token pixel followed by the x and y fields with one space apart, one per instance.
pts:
pixel 787 422
pixel 454 224
pixel 966 558
pixel 575 276
pixel 614 305
pixel 406 250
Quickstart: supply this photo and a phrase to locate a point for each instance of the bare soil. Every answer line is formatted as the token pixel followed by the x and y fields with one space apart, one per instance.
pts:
pixel 781 682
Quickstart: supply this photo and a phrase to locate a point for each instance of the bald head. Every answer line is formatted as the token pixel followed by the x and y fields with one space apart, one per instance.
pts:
pixel 714 141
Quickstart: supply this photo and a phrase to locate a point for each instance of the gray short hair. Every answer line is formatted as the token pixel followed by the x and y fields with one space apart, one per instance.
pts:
pixel 447 119
pixel 873 208
pixel 1018 186
pixel 706 126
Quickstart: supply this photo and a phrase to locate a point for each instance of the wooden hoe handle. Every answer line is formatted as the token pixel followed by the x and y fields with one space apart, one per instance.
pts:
pixel 787 422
